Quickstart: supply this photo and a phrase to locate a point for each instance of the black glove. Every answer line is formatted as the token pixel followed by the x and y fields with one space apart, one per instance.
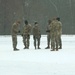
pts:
pixel 47 30
pixel 19 31
pixel 21 34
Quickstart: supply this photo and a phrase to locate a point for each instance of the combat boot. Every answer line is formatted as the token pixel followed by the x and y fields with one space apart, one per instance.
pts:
pixel 27 47
pixel 15 49
pixel 39 48
pixel 60 47
pixel 53 49
pixel 47 47
pixel 56 48
pixel 24 48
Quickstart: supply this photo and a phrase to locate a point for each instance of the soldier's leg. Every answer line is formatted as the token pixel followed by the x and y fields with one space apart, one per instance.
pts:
pixel 38 43
pixel 34 41
pixel 24 41
pixel 57 42
pixel 60 43
pixel 49 41
pixel 28 38
pixel 52 43
pixel 27 43
pixel 14 39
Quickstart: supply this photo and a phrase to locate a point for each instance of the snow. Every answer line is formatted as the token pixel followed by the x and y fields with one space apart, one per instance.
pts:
pixel 37 62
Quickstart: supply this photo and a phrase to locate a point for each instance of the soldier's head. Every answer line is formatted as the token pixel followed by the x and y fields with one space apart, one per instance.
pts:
pixel 18 22
pixel 36 23
pixel 26 22
pixel 58 18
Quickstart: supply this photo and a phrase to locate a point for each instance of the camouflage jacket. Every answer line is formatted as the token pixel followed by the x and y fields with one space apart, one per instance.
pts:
pixel 60 28
pixel 55 27
pixel 14 29
pixel 36 30
pixel 27 29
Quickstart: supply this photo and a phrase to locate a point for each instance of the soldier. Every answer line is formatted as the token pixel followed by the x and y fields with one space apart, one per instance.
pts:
pixel 26 34
pixel 15 31
pixel 60 33
pixel 36 35
pixel 48 35
pixel 54 31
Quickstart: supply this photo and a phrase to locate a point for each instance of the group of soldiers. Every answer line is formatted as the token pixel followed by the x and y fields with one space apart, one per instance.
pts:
pixel 26 34
pixel 54 31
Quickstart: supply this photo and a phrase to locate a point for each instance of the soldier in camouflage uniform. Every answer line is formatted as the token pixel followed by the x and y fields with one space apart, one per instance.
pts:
pixel 54 31
pixel 60 33
pixel 48 35
pixel 36 35
pixel 15 31
pixel 26 34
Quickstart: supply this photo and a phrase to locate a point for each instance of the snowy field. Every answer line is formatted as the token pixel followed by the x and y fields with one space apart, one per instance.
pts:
pixel 37 62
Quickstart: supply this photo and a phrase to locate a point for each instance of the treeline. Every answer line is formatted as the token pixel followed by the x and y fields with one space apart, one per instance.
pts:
pixel 37 10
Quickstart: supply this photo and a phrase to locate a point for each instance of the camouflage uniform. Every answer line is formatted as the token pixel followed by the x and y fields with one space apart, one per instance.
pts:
pixel 26 35
pixel 48 35
pixel 60 33
pixel 54 31
pixel 36 35
pixel 14 34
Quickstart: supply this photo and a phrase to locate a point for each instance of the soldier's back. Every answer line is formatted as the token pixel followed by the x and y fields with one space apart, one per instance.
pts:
pixel 14 29
pixel 36 30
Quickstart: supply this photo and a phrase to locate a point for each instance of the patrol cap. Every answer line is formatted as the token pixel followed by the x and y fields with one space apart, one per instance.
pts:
pixel 18 21
pixel 36 22
pixel 58 18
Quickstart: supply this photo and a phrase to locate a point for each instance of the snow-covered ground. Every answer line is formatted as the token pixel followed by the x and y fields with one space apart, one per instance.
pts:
pixel 37 62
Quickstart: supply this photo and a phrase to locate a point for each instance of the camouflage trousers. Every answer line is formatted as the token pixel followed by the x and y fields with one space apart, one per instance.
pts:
pixel 14 41
pixel 36 41
pixel 48 40
pixel 26 39
pixel 54 42
pixel 60 42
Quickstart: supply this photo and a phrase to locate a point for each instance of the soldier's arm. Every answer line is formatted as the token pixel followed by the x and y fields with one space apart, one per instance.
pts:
pixel 48 29
pixel 14 29
pixel 29 28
